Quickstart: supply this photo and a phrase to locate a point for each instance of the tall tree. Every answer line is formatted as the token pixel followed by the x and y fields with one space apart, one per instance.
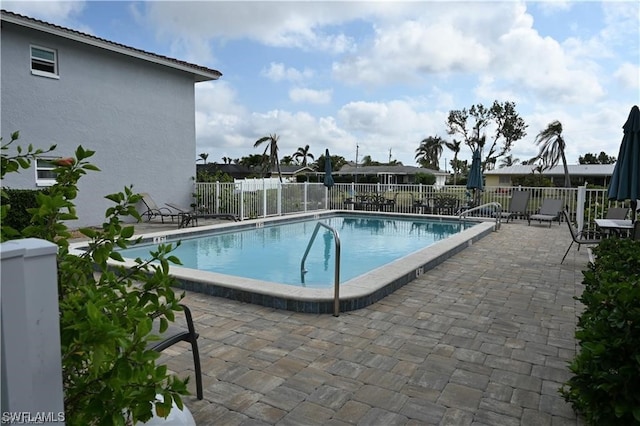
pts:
pixel 602 158
pixel 552 148
pixel 509 128
pixel 304 154
pixel 508 161
pixel 455 147
pixel 203 157
pixel 368 161
pixel 253 161
pixel 337 161
pixel 429 152
pixel 272 147
pixel 287 160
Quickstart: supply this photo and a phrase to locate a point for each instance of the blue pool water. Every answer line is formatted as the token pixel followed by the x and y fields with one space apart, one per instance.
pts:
pixel 274 252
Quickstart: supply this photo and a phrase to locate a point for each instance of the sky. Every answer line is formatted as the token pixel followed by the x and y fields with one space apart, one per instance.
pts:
pixel 376 78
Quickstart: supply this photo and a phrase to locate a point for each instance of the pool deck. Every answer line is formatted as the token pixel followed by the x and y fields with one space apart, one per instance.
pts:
pixel 482 339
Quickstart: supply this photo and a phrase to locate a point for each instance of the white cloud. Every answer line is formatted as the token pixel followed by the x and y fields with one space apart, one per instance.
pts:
pixel 310 96
pixel 58 11
pixel 278 72
pixel 282 24
pixel 628 76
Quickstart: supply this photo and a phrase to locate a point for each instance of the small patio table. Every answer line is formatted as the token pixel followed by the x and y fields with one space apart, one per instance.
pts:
pixel 620 227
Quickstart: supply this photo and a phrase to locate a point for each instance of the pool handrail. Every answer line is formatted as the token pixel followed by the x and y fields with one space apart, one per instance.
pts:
pixel 336 285
pixel 495 204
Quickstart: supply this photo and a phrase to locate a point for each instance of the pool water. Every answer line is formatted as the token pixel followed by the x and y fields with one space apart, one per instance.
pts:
pixel 274 252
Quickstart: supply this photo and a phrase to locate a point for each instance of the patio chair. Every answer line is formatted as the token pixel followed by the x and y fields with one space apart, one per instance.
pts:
pixel 617 213
pixel 517 205
pixel 550 210
pixel 190 217
pixel 175 334
pixel 152 209
pixel 579 237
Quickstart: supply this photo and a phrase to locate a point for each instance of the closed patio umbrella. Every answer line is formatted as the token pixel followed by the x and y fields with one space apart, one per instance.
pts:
pixel 328 177
pixel 475 176
pixel 625 182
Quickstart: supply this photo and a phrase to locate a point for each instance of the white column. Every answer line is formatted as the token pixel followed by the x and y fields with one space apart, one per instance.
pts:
pixel 31 365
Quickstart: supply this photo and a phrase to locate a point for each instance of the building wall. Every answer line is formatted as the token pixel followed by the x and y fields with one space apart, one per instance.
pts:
pixel 139 117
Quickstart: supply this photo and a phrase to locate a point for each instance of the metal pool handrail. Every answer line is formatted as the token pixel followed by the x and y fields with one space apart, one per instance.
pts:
pixel 492 204
pixel 336 285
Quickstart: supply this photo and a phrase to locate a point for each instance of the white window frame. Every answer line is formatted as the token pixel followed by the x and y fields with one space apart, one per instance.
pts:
pixel 53 63
pixel 504 180
pixel 44 166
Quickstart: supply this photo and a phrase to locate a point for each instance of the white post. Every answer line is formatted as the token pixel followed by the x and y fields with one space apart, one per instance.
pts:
pixel 580 203
pixel 31 364
pixel 264 197
pixel 279 199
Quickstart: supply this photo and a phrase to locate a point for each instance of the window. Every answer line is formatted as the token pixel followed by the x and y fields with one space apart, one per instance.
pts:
pixel 45 175
pixel 44 62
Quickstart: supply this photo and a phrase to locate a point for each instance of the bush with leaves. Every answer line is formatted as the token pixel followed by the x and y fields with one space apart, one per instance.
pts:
pixel 106 309
pixel 605 387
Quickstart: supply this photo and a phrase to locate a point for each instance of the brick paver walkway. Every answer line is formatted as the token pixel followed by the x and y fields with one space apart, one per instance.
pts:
pixel 482 339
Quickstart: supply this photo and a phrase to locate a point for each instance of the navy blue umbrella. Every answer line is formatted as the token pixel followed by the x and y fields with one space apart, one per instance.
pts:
pixel 625 182
pixel 328 178
pixel 474 180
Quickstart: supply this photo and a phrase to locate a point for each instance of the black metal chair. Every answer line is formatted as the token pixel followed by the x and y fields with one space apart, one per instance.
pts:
pixel 579 237
pixel 175 334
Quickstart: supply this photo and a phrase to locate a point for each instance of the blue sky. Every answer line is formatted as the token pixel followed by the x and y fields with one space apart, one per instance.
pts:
pixel 383 75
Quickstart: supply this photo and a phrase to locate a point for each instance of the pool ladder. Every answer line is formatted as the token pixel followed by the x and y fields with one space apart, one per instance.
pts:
pixel 497 206
pixel 336 285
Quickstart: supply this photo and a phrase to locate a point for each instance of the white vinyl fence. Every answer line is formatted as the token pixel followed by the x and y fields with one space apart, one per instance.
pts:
pixel 275 198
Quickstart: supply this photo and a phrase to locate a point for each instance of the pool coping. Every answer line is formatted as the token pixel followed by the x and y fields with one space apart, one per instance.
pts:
pixel 355 293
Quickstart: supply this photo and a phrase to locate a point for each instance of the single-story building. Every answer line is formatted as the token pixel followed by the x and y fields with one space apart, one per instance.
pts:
pixel 236 171
pixel 596 174
pixel 393 175
pixel 134 108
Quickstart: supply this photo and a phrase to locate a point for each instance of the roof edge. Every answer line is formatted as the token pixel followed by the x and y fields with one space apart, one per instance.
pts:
pixel 199 72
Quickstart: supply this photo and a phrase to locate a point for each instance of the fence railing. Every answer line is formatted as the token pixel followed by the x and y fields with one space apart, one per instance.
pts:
pixel 287 198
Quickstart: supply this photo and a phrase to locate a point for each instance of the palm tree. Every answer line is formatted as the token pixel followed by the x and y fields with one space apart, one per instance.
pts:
pixel 203 157
pixel 272 147
pixel 304 153
pixel 287 160
pixel 552 147
pixel 429 152
pixel 455 147
pixel 508 161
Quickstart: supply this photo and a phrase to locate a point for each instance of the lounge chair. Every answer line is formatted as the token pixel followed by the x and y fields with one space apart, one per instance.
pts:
pixel 550 210
pixel 617 213
pixel 517 205
pixel 175 334
pixel 191 218
pixel 152 209
pixel 579 237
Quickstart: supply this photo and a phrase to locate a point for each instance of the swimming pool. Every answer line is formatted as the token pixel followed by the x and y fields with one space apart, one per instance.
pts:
pixel 356 292
pixel 273 252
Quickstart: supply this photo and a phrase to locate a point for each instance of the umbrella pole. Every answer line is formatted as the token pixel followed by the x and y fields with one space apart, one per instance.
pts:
pixel 634 206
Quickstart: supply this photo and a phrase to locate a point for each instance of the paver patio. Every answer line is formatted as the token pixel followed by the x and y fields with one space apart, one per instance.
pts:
pixel 482 339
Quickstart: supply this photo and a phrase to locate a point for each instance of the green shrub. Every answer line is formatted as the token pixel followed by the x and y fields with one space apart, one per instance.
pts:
pixel 106 312
pixel 605 387
pixel 425 178
pixel 19 201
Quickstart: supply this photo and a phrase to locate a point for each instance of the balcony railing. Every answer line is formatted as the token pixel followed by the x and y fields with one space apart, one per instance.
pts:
pixel 288 198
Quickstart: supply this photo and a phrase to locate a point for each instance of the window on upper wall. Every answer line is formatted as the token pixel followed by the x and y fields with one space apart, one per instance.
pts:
pixel 44 62
pixel 45 176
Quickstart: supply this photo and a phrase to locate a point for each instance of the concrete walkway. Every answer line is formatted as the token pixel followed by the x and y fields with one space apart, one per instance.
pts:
pixel 482 339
